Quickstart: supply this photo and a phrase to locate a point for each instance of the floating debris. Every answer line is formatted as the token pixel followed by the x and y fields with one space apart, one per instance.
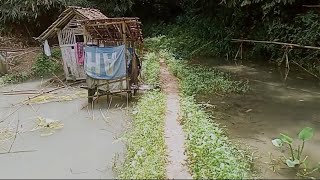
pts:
pixel 6 134
pixel 47 126
pixel 46 98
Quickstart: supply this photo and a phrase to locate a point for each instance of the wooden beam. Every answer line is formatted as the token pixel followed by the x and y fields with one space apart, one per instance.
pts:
pixel 312 6
pixel 274 42
pixel 97 23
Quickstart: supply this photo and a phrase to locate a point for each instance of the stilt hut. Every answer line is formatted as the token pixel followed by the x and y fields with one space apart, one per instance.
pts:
pixel 70 34
pixel 111 46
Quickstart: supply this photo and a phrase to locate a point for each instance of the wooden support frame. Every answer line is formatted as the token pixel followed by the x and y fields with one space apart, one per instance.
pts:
pixel 285 57
pixel 115 32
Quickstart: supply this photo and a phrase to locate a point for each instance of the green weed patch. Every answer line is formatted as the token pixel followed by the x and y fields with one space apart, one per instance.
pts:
pixel 202 80
pixel 210 154
pixel 146 152
pixel 151 69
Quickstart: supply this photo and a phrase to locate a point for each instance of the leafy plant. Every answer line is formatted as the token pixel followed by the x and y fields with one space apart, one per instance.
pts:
pixel 146 152
pixel 45 66
pixel 210 153
pixel 295 159
pixel 14 78
pixel 151 69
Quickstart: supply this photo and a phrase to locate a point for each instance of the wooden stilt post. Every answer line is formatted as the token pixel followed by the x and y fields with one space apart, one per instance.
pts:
pixel 3 63
pixel 124 36
pixel 241 51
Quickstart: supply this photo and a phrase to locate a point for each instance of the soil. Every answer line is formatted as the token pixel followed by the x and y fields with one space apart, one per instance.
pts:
pixel 271 107
pixel 23 61
pixel 174 135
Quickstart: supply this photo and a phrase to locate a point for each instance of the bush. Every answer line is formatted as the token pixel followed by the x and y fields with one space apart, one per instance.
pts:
pixel 46 66
pixel 14 78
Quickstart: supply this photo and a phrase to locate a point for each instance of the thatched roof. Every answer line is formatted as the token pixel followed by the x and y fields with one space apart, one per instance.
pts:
pixel 111 29
pixel 66 16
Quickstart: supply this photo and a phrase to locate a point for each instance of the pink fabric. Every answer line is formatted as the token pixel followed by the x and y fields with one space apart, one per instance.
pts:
pixel 80 53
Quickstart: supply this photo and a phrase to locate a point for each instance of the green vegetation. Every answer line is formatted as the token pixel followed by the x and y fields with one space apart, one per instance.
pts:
pixel 193 28
pixel 151 69
pixel 295 159
pixel 14 78
pixel 210 154
pixel 43 66
pixel 146 152
pixel 46 66
pixel 295 155
pixel 196 79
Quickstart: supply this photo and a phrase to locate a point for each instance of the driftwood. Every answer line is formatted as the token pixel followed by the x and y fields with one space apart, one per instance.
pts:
pixel 306 69
pixel 15 136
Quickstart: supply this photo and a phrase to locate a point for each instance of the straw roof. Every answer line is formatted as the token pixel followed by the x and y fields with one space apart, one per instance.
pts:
pixel 66 16
pixel 111 29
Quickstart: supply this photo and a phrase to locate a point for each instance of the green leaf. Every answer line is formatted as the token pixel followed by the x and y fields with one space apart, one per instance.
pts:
pixel 277 142
pixel 306 133
pixel 286 139
pixel 292 164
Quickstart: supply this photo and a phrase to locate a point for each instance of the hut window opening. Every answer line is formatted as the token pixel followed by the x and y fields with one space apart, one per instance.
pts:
pixel 79 38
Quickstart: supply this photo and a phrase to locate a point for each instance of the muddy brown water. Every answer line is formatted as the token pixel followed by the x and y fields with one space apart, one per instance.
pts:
pixel 269 108
pixel 84 148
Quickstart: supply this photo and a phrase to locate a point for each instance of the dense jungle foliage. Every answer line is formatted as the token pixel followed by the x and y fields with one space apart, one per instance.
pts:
pixel 193 27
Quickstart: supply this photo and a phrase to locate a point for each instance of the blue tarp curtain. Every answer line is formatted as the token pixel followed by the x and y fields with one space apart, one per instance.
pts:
pixel 106 62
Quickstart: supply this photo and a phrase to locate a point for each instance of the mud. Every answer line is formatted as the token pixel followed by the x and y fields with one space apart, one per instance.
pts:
pixel 271 107
pixel 85 148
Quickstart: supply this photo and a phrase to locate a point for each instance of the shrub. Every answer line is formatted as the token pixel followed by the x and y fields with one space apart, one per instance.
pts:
pixel 46 66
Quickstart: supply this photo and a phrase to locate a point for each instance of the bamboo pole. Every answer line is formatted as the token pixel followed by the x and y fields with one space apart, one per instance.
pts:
pixel 124 35
pixel 278 43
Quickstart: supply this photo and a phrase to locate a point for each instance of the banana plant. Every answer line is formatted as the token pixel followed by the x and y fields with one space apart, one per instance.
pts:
pixel 295 160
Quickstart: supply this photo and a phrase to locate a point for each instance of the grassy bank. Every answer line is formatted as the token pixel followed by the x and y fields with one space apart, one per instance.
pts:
pixel 210 152
pixel 146 152
pixel 196 79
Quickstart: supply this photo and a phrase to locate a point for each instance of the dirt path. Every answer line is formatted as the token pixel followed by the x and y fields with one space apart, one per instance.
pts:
pixel 83 148
pixel 174 136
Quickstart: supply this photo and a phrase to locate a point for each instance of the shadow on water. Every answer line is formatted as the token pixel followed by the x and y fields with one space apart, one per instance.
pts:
pixel 269 108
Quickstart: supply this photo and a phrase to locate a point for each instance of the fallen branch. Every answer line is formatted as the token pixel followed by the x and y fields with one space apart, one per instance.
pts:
pixel 3 119
pixel 59 79
pixel 19 93
pixel 305 69
pixel 46 92
pixel 26 52
pixel 13 91
pixel 15 136
pixel 14 152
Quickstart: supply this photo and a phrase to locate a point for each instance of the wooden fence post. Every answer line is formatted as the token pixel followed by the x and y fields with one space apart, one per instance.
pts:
pixel 3 63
